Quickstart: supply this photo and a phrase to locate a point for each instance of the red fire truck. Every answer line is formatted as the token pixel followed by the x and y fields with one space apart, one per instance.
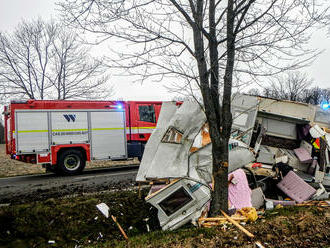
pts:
pixel 63 135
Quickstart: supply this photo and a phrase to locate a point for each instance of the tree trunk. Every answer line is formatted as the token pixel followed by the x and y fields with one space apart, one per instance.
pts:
pixel 221 134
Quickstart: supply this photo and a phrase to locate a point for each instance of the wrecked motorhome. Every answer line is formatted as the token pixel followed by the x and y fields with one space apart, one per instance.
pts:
pixel 278 154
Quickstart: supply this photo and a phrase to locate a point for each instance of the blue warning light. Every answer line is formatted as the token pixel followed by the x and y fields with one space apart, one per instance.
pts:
pixel 325 105
pixel 119 106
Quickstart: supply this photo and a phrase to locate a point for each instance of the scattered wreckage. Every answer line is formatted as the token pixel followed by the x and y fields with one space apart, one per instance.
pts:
pixel 278 155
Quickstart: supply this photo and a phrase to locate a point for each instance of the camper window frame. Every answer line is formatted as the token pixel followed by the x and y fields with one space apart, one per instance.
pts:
pixel 172 195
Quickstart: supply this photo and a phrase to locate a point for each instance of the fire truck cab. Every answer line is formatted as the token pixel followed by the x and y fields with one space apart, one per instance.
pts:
pixel 63 135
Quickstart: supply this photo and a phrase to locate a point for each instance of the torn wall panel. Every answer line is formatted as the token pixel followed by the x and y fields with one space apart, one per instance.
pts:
pixel 288 109
pixel 244 110
pixel 167 112
pixel 167 151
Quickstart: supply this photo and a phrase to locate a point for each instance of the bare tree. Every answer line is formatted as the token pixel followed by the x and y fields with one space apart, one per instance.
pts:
pixel 205 43
pixel 315 95
pixel 77 74
pixel 39 59
pixel 24 59
pixel 289 86
pixel 294 86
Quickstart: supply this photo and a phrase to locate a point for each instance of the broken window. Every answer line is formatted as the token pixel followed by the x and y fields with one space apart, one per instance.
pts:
pixel 172 136
pixel 147 113
pixel 202 139
pixel 175 201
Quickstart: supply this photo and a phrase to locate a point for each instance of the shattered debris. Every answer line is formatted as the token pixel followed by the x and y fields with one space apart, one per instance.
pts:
pixel 278 151
pixel 104 209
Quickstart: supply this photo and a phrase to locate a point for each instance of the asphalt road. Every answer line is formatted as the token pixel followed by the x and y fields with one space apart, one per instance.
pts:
pixel 37 187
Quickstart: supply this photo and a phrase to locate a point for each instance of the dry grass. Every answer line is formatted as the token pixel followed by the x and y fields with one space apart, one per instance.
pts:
pixel 10 167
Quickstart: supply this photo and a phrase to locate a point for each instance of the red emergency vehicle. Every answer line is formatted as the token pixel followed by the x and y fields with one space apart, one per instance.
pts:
pixel 63 135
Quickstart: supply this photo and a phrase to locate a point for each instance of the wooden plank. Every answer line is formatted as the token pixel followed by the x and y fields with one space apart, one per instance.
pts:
pixel 237 225
pixel 119 226
pixel 221 218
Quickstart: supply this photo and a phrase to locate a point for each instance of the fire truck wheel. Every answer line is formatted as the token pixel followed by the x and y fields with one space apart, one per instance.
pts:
pixel 71 162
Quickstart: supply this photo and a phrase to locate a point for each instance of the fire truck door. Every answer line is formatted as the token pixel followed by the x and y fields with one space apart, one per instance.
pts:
pixel 31 132
pixel 108 135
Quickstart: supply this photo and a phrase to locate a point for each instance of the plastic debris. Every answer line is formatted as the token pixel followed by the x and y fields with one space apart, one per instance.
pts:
pixel 269 205
pixel 249 213
pixel 104 209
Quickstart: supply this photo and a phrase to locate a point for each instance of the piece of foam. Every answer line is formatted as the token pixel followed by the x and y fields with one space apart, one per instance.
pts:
pixel 239 194
pixel 303 155
pixel 296 188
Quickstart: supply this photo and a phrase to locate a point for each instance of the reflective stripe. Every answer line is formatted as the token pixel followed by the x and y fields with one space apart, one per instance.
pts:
pixel 110 128
pixel 69 130
pixel 31 131
pixel 137 130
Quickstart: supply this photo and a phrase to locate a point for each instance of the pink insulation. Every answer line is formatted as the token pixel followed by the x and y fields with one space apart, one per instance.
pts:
pixel 296 188
pixel 239 192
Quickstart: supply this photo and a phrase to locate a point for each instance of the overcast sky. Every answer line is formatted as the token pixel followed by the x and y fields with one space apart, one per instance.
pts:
pixel 13 11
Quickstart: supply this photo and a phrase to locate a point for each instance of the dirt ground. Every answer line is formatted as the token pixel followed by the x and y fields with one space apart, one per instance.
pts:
pixel 10 167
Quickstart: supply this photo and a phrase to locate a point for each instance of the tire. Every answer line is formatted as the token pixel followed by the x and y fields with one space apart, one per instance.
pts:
pixel 70 162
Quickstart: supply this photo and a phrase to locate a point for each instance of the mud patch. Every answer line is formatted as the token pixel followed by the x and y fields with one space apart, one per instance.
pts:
pixel 75 220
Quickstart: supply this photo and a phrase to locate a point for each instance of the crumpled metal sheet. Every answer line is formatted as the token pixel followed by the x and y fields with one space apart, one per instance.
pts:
pixel 200 162
pixel 170 160
pixel 167 112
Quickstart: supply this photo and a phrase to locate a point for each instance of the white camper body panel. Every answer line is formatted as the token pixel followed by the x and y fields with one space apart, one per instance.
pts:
pixel 38 130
